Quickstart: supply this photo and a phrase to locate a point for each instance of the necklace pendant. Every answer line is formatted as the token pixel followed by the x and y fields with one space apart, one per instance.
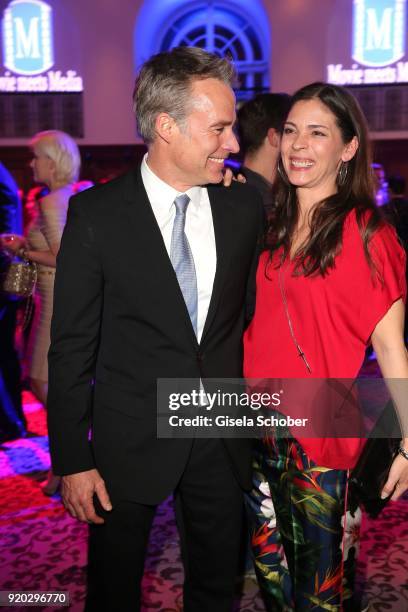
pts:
pixel 303 356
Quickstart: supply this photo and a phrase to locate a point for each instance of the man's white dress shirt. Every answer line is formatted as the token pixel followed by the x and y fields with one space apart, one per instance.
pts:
pixel 199 230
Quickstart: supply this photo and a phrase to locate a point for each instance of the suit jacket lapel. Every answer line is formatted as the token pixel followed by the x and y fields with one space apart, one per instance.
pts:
pixel 223 220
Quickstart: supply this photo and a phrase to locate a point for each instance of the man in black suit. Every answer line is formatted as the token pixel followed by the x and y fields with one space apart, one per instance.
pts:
pixel 151 283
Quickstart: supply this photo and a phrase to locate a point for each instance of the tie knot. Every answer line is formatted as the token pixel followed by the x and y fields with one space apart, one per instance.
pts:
pixel 181 203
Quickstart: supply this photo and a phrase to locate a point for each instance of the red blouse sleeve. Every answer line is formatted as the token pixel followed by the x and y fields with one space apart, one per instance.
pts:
pixel 386 283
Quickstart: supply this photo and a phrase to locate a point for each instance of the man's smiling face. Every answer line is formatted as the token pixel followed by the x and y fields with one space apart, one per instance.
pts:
pixel 205 139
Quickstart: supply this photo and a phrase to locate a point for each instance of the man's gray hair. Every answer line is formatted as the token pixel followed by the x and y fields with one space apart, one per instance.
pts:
pixel 164 83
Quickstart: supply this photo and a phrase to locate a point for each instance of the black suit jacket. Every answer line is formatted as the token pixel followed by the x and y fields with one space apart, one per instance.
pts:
pixel 120 319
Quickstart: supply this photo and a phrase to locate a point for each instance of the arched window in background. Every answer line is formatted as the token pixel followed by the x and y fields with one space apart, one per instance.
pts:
pixel 237 29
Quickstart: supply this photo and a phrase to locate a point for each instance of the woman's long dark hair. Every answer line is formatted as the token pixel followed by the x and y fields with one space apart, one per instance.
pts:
pixel 355 191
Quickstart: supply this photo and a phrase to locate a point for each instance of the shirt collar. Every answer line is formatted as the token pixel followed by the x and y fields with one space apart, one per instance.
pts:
pixel 161 194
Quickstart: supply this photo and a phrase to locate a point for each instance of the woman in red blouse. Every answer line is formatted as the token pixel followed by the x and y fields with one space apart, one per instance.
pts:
pixel 332 281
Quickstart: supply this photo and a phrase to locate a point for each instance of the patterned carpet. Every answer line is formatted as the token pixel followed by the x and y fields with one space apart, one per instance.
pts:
pixel 42 548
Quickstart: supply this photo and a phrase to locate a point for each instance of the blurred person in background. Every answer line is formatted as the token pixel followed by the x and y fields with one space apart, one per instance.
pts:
pixel 332 281
pixel 382 195
pixel 56 164
pixel 396 210
pixel 260 123
pixel 12 420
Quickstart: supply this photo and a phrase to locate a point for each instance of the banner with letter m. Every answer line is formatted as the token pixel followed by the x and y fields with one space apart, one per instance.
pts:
pixel 27 37
pixel 379 31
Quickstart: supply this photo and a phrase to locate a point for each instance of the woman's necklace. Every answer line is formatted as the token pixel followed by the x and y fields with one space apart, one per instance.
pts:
pixel 285 304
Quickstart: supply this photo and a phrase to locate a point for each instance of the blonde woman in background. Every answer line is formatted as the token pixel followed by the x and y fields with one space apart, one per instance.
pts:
pixel 56 164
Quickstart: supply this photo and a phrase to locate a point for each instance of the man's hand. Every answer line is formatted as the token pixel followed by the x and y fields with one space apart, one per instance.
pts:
pixel 397 479
pixel 77 495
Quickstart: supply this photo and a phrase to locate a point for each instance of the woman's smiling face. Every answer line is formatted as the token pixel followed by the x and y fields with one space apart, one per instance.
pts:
pixel 312 147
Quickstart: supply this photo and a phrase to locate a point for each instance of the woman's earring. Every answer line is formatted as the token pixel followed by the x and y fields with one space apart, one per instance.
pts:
pixel 342 173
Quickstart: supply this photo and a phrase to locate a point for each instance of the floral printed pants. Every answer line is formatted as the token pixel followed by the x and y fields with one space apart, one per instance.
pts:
pixel 304 557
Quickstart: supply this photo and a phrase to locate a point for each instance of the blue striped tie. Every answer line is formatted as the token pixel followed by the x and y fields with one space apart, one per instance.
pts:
pixel 182 260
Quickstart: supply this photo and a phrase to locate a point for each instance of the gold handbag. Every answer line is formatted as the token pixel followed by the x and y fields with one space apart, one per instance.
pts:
pixel 20 279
